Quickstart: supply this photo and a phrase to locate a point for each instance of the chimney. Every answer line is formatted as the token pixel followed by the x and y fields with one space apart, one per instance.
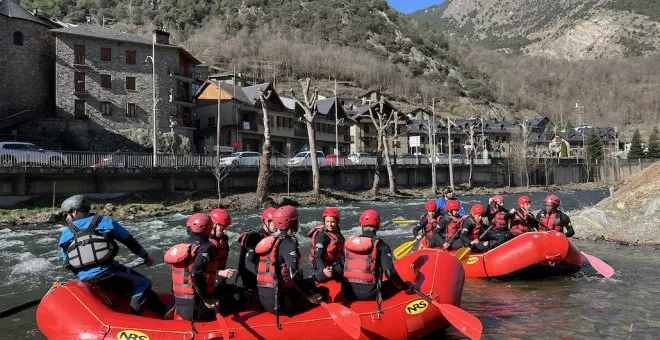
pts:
pixel 161 37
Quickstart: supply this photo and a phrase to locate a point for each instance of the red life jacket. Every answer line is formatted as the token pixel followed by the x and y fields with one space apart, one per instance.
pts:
pixel 497 220
pixel 454 227
pixel 360 264
pixel 552 221
pixel 335 250
pixel 182 258
pixel 476 230
pixel 267 270
pixel 221 250
pixel 430 225
pixel 519 224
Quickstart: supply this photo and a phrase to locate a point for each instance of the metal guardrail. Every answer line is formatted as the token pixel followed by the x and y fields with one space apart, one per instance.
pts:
pixel 98 160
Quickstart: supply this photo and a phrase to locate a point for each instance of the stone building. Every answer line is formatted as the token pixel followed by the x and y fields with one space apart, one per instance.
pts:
pixel 104 86
pixel 27 66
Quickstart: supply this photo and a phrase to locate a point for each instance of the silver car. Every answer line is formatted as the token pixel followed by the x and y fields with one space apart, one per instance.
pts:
pixel 12 153
pixel 303 159
pixel 246 158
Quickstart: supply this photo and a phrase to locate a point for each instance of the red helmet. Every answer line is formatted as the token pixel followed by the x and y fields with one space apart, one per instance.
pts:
pixel 477 209
pixel 452 205
pixel 554 199
pixel 199 223
pixel 431 206
pixel 498 199
pixel 220 216
pixel 285 217
pixel 523 199
pixel 370 218
pixel 268 214
pixel 331 212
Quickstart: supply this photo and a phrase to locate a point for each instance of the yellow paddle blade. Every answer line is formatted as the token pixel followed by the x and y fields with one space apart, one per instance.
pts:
pixel 404 221
pixel 462 253
pixel 403 249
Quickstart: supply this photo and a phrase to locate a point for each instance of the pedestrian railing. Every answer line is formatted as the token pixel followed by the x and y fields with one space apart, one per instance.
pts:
pixel 99 160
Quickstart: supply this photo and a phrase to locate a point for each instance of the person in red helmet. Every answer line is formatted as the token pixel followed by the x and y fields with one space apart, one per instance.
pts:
pixel 327 251
pixel 427 224
pixel 553 219
pixel 280 280
pixel 522 218
pixel 232 297
pixel 247 262
pixel 221 221
pixel 367 259
pixel 447 234
pixel 498 216
pixel 472 226
pixel 194 271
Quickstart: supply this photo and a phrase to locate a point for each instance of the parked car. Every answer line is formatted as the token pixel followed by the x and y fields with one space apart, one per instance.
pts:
pixel 334 159
pixel 303 159
pixel 362 158
pixel 439 158
pixel 409 159
pixel 12 153
pixel 241 158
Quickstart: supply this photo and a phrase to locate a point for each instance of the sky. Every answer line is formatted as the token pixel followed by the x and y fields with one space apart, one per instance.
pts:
pixel 409 6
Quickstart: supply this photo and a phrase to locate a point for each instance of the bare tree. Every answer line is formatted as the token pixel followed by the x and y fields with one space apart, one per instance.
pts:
pixel 524 157
pixel 264 163
pixel 393 139
pixel 475 144
pixel 220 172
pixel 284 167
pixel 382 122
pixel 430 129
pixel 308 105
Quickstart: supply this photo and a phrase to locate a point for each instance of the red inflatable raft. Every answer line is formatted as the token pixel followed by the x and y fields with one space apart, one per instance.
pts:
pixel 530 255
pixel 78 311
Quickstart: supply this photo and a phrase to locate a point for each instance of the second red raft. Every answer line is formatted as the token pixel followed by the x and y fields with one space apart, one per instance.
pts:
pixel 530 255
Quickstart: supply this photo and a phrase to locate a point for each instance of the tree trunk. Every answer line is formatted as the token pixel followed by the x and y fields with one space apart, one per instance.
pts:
pixel 264 163
pixel 311 135
pixel 379 157
pixel 390 168
pixel 449 146
pixel 471 160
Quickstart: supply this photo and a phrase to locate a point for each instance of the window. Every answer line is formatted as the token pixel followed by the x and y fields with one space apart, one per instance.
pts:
pixel 130 109
pixel 106 108
pixel 106 54
pixel 79 82
pixel 79 109
pixel 130 83
pixel 279 122
pixel 79 54
pixel 211 121
pixel 130 57
pixel 366 129
pixel 18 38
pixel 106 81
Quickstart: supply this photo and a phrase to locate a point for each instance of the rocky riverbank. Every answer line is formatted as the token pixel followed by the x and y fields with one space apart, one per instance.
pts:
pixel 151 205
pixel 630 216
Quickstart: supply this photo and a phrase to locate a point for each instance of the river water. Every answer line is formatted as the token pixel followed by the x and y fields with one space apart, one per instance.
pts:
pixel 584 306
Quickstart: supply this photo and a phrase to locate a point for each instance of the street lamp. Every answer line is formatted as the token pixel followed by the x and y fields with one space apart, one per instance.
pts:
pixel 153 89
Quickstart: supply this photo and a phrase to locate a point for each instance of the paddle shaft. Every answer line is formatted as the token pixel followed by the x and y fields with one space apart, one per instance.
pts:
pixel 465 322
pixel 30 304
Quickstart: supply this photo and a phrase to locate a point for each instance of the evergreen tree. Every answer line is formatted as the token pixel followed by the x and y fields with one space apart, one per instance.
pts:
pixel 594 150
pixel 563 150
pixel 654 144
pixel 636 150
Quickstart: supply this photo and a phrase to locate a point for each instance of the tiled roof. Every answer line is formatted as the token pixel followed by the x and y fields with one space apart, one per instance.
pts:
pixel 12 9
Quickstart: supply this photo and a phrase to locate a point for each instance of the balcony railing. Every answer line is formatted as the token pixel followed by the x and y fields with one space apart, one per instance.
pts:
pixel 101 160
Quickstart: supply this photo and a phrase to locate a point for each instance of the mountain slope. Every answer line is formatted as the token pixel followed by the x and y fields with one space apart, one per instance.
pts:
pixel 362 41
pixel 573 29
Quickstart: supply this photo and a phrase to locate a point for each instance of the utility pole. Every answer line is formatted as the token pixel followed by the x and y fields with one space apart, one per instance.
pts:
pixel 449 146
pixel 434 156
pixel 336 127
pixel 154 141
pixel 217 124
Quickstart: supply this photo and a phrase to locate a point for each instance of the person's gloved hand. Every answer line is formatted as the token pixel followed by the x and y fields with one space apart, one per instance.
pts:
pixel 315 299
